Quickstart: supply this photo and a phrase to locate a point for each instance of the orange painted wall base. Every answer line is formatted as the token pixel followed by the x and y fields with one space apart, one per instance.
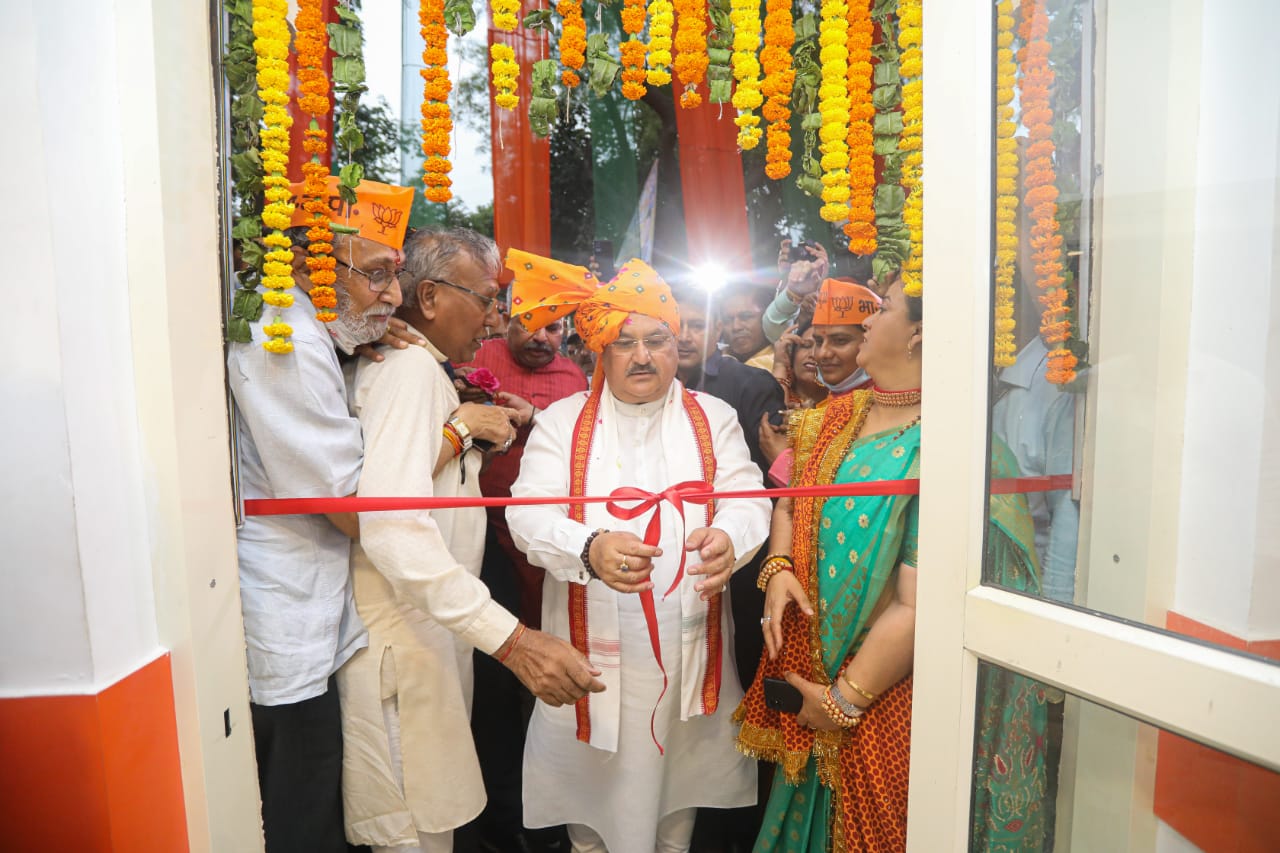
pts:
pixel 94 773
pixel 1218 802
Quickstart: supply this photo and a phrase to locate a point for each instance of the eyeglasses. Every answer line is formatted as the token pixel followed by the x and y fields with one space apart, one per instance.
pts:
pixel 379 280
pixel 653 343
pixel 487 301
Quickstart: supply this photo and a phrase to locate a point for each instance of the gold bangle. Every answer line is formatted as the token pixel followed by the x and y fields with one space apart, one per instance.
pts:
pixel 870 697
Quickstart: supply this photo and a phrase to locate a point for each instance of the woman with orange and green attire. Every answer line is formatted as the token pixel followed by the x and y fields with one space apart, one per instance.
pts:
pixel 839 618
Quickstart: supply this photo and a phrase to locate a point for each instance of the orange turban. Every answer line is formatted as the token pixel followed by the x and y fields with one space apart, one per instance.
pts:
pixel 380 214
pixel 843 303
pixel 544 291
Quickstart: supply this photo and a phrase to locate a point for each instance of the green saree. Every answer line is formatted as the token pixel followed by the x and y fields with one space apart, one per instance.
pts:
pixel 846 790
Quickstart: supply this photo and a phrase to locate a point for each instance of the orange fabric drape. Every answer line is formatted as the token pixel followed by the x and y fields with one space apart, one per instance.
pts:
pixel 302 120
pixel 521 161
pixel 715 197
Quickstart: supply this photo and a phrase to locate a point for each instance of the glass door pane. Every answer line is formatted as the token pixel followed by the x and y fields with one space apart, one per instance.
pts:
pixel 1136 328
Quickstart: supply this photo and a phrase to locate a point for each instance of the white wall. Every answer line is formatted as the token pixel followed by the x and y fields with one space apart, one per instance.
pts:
pixel 1228 484
pixel 120 541
pixel 77 611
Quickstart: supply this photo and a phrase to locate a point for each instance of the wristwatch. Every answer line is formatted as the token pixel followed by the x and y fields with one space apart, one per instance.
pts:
pixel 463 431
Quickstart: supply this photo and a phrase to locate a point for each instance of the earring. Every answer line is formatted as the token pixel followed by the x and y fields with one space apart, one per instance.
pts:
pixel 909 353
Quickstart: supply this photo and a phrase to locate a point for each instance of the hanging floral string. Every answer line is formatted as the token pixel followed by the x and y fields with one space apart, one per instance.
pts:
pixel 1041 190
pixel 573 41
pixel 661 21
pixel 311 42
pixel 633 50
pixel 271 44
pixel 861 227
pixel 1006 187
pixel 775 60
pixel 504 14
pixel 504 72
pixel 747 98
pixel 437 123
pixel 691 49
pixel 833 104
pixel 911 142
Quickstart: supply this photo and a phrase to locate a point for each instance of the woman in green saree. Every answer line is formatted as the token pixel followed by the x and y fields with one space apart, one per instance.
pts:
pixel 839 619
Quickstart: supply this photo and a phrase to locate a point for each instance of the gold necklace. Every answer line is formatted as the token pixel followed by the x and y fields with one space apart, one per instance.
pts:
pixel 896 399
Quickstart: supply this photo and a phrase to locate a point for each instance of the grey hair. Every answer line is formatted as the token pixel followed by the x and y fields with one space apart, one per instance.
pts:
pixel 433 253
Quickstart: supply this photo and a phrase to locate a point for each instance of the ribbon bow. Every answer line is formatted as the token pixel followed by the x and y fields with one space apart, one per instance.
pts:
pixel 691 491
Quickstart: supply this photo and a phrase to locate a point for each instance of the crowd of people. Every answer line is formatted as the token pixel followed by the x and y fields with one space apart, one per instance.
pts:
pixel 658 672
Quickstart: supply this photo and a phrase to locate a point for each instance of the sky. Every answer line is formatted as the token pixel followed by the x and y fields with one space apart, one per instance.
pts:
pixel 383 29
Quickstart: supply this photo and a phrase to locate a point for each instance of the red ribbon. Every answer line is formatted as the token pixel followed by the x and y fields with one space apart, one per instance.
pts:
pixel 312 506
pixel 693 491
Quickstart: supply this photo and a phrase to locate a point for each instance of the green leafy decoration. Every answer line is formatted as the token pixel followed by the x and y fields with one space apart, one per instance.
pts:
pixel 542 100
pixel 893 238
pixel 604 66
pixel 239 69
pixel 459 17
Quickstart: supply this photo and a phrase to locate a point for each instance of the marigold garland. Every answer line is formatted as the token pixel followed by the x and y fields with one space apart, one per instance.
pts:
pixel 310 43
pixel 573 41
pixel 504 14
pixel 833 104
pixel 505 73
pixel 691 58
pixel 1041 196
pixel 271 45
pixel 437 123
pixel 1006 188
pixel 661 22
pixel 861 227
pixel 747 97
pixel 633 50
pixel 779 78
pixel 911 143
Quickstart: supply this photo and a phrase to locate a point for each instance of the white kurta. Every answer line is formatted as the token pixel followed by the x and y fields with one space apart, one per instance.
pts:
pixel 622 792
pixel 417 588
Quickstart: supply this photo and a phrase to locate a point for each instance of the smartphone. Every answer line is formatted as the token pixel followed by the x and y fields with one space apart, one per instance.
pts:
pixel 778 418
pixel 781 696
pixel 800 251
pixel 603 251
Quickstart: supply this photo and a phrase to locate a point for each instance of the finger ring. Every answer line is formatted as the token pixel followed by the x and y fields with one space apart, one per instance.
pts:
pixel 765 619
pixel 622 567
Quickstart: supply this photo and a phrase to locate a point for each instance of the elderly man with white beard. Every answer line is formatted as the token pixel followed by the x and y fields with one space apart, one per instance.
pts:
pixel 410 773
pixel 297 439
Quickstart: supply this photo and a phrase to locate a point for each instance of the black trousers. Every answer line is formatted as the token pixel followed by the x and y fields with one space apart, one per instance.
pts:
pixel 299 749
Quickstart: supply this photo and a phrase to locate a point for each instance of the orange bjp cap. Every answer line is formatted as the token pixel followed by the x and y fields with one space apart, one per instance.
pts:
pixel 844 303
pixel 380 214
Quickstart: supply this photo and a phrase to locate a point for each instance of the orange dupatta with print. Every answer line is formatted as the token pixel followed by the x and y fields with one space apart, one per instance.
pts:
pixel 579 634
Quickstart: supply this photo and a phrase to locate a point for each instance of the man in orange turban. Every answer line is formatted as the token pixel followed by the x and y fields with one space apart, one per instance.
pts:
pixel 296 437
pixel 662 641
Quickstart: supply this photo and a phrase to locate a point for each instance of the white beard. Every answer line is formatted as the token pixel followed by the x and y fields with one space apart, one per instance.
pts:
pixel 351 330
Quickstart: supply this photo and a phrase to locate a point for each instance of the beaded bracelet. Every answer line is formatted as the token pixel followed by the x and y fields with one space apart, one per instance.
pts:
pixel 774 564
pixel 520 630
pixel 586 552
pixel 834 705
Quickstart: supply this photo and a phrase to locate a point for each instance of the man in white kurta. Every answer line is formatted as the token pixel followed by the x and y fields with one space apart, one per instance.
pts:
pixel 597 766
pixel 410 773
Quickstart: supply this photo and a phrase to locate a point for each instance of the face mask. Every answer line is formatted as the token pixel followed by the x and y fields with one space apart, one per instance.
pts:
pixel 853 381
